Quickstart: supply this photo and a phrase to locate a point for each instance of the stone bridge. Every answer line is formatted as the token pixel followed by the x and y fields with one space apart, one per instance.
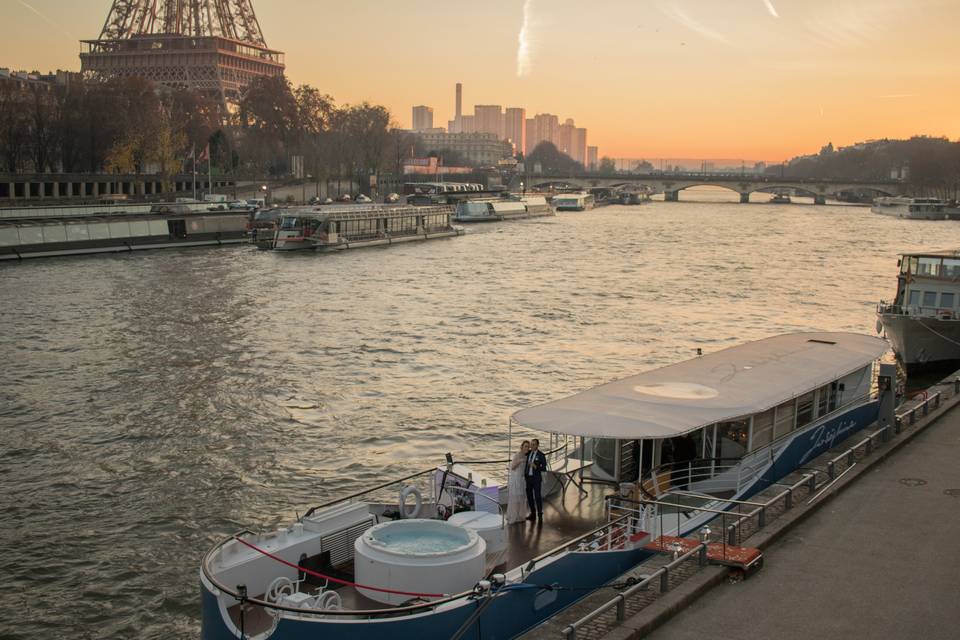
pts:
pixel 671 184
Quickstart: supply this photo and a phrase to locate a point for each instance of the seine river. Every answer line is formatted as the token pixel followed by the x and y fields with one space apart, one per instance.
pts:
pixel 151 403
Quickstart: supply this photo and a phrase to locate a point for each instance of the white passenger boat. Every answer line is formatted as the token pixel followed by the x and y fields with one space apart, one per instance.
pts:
pixel 922 321
pixel 913 208
pixel 573 201
pixel 373 565
pixel 349 227
pixel 497 209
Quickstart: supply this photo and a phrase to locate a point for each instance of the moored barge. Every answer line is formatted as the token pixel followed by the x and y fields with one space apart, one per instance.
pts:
pixel 499 209
pixel 163 226
pixel 338 228
pixel 430 554
pixel 922 321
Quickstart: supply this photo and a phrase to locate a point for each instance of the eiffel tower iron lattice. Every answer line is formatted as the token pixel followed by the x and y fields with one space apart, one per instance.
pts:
pixel 215 46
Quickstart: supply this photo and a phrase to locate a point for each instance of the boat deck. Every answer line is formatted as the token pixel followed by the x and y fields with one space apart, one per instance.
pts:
pixel 566 516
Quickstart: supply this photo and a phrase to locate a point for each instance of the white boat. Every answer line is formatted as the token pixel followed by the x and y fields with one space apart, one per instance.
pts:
pixel 496 209
pixel 922 321
pixel 392 561
pixel 162 226
pixel 573 201
pixel 332 228
pixel 912 208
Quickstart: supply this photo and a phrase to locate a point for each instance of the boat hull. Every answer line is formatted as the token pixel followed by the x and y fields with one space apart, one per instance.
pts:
pixel 510 614
pixel 922 342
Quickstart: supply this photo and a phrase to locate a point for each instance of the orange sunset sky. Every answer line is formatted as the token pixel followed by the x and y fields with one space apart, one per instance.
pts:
pixel 750 79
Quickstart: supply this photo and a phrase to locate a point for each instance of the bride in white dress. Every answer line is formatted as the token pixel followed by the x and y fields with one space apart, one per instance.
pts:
pixel 517 486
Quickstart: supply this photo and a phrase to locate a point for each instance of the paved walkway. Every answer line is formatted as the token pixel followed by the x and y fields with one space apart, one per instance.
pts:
pixel 880 560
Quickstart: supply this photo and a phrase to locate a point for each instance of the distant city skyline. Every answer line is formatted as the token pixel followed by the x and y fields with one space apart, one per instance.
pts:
pixel 680 78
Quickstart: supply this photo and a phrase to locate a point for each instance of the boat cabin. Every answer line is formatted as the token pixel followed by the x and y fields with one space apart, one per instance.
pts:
pixel 734 421
pixel 928 284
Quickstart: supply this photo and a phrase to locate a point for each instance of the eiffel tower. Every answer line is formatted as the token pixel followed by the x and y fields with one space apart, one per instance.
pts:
pixel 214 46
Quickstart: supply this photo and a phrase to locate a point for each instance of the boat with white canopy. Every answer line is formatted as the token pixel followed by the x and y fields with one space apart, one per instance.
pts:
pixel 430 555
pixel 724 425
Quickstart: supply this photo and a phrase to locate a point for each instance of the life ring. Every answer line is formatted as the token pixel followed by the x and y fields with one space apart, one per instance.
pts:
pixel 328 601
pixel 417 502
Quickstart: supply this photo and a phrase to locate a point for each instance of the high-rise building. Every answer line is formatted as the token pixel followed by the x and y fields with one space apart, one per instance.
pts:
pixel 215 47
pixel 422 118
pixel 566 137
pixel 468 124
pixel 515 127
pixel 578 145
pixel 593 158
pixel 543 127
pixel 488 118
pixel 459 111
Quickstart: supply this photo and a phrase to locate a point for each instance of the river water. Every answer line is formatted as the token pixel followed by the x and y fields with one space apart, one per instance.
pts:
pixel 152 403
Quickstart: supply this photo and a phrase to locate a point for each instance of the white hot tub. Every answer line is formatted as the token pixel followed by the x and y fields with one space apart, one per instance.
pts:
pixel 418 556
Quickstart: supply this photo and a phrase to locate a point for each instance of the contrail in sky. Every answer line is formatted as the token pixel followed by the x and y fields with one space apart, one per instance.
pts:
pixel 46 19
pixel 524 52
pixel 772 9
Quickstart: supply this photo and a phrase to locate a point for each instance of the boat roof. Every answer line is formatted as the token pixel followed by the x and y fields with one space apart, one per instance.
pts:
pixel 946 253
pixel 734 382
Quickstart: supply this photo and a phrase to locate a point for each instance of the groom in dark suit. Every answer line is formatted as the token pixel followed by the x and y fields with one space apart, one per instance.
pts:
pixel 533 470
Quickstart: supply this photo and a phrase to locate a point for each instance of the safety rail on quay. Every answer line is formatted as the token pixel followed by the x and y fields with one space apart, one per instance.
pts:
pixel 619 601
pixel 758 517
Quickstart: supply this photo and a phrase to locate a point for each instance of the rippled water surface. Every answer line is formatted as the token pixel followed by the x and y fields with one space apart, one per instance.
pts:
pixel 151 403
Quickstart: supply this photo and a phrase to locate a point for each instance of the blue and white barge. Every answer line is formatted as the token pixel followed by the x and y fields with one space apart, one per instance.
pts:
pixel 430 555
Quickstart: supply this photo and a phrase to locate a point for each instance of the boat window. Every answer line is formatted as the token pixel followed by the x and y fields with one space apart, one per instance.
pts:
pixel 928 267
pixel 605 455
pixel 762 430
pixel 914 298
pixel 946 301
pixel 822 395
pixel 783 424
pixel 929 298
pixel 951 268
pixel 288 223
pixel 733 437
pixel 805 409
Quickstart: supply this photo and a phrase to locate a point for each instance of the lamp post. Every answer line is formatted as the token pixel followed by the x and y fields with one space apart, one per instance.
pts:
pixel 263 189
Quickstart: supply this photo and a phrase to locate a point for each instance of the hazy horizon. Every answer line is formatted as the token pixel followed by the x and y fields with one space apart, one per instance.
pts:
pixel 752 79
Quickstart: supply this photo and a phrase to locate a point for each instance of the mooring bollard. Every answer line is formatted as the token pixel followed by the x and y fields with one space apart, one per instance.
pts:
pixel 869 445
pixel 926 407
pixel 831 470
pixel 898 425
pixel 762 518
pixel 936 400
pixel 665 580
pixel 732 534
pixel 621 608
pixel 913 417
pixel 788 499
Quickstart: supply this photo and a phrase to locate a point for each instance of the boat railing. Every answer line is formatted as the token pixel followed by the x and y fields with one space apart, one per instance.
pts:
pixel 367 493
pixel 916 310
pixel 706 475
pixel 555 457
